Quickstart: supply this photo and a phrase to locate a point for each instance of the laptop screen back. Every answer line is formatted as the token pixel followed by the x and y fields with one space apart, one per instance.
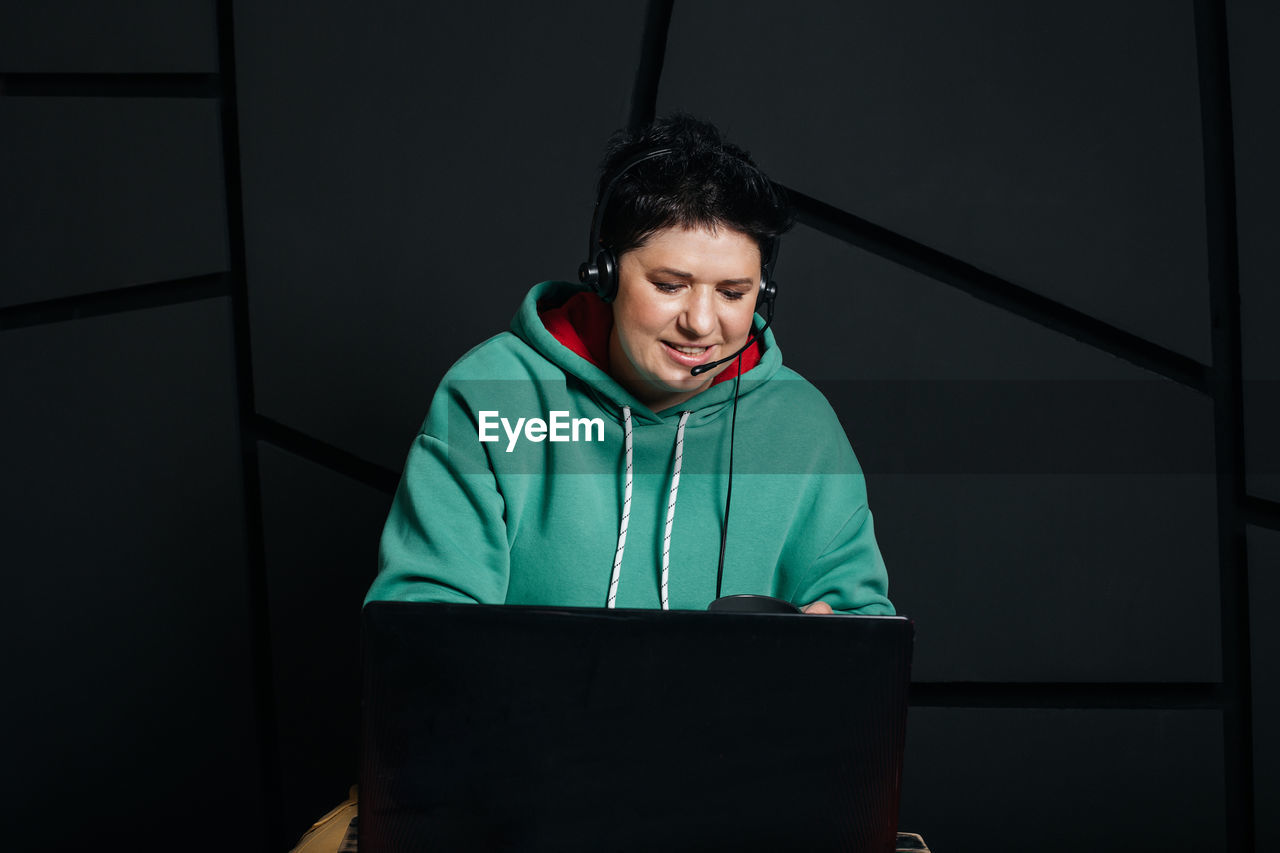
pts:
pixel 522 728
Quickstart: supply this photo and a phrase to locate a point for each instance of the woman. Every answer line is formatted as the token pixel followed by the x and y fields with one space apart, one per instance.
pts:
pixel 577 460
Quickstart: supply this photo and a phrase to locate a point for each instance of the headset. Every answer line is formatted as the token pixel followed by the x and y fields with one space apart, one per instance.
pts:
pixel 600 270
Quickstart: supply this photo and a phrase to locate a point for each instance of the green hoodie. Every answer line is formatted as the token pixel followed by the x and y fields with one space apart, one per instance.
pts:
pixel 532 516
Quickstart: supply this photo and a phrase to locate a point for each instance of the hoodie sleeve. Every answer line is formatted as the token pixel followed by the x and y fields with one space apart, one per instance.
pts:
pixel 445 538
pixel 835 557
pixel 850 573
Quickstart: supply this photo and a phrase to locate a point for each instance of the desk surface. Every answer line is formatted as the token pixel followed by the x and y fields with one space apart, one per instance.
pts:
pixel 338 832
pixel 908 842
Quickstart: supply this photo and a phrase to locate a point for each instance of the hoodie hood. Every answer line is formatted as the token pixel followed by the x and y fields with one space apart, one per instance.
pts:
pixel 579 341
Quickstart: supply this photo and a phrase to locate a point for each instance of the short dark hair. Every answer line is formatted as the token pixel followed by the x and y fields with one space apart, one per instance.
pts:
pixel 705 182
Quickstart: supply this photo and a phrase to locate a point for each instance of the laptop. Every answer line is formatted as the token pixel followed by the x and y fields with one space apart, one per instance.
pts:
pixel 530 728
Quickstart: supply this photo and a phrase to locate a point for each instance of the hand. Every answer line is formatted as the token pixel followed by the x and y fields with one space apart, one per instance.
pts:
pixel 819 607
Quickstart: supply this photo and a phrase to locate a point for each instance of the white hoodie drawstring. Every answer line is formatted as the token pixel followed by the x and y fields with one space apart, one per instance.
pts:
pixel 626 508
pixel 671 507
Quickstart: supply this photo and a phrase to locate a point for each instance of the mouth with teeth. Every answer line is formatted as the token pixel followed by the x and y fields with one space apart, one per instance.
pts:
pixel 685 354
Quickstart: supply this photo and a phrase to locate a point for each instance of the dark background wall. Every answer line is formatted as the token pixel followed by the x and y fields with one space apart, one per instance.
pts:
pixel 1034 273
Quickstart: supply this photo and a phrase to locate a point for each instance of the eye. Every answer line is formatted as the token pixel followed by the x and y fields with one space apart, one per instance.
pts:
pixel 666 287
pixel 733 295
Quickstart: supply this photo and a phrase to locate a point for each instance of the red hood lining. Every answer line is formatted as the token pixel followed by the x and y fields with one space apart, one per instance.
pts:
pixel 582 323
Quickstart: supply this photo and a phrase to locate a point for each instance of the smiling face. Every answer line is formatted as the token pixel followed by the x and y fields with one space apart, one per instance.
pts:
pixel 686 297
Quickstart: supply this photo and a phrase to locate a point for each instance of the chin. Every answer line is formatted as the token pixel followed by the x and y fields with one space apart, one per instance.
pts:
pixel 691 385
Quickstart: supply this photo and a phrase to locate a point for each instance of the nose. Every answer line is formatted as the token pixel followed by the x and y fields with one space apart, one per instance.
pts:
pixel 698 319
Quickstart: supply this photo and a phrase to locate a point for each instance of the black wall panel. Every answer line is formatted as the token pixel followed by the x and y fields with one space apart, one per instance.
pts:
pixel 321 534
pixel 130 713
pixel 1264 599
pixel 1055 145
pixel 1046 511
pixel 116 36
pixel 846 314
pixel 1254 28
pixel 408 173
pixel 1064 781
pixel 100 193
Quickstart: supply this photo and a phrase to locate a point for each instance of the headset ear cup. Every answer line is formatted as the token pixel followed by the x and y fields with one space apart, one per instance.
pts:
pixel 768 287
pixel 588 274
pixel 768 293
pixel 606 283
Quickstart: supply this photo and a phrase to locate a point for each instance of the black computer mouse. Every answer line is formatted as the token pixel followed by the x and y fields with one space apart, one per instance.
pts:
pixel 750 603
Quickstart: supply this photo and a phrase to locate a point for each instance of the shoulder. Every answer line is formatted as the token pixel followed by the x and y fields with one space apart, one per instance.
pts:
pixel 799 402
pixel 798 428
pixel 500 371
pixel 504 356
pixel 503 348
